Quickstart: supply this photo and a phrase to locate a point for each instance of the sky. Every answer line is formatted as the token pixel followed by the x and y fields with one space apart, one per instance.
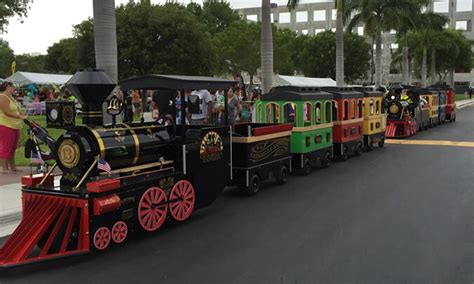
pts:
pixel 49 21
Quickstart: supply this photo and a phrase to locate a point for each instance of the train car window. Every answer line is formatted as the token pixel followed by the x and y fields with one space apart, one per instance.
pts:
pixel 334 111
pixel 259 113
pixel 327 112
pixel 354 109
pixel 346 110
pixel 289 113
pixel 377 107
pixel 307 114
pixel 272 113
pixel 360 108
pixel 371 106
pixel 318 112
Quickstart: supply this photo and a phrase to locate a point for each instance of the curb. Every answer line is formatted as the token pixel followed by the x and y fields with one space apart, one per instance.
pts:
pixel 10 218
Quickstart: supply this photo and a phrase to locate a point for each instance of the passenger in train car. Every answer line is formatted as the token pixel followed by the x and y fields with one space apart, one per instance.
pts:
pixel 233 105
pixel 178 106
pixel 205 101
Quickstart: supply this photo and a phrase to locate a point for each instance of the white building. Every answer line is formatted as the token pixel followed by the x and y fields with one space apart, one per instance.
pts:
pixel 312 18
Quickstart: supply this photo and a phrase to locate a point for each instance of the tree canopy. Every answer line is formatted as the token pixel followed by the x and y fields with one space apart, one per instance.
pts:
pixel 319 54
pixel 10 8
pixel 6 59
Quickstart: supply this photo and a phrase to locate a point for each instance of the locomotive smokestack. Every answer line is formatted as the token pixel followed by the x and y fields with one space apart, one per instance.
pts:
pixel 91 87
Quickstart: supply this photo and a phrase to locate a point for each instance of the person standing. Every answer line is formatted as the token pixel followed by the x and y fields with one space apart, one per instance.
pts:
pixel 205 103
pixel 10 125
pixel 232 105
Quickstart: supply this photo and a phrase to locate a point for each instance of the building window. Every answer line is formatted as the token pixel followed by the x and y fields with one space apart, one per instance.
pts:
pixel 305 32
pixel 360 31
pixel 441 6
pixel 319 15
pixel 334 14
pixel 302 17
pixel 333 30
pixel 285 18
pixel 252 18
pixel 462 25
pixel 317 31
pixel 272 18
pixel 463 5
pixel 394 45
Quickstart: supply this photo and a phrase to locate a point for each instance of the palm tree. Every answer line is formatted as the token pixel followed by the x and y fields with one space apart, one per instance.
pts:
pixel 105 37
pixel 266 47
pixel 406 24
pixel 426 35
pixel 339 44
pixel 379 16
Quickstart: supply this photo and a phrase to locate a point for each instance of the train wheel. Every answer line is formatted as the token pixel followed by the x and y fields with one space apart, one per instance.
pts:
pixel 119 232
pixel 358 150
pixel 282 176
pixel 102 238
pixel 152 209
pixel 254 185
pixel 326 160
pixel 183 193
pixel 381 143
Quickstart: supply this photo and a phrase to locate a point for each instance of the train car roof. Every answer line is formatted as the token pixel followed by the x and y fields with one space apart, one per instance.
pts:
pixel 369 91
pixel 425 91
pixel 343 92
pixel 296 93
pixel 175 82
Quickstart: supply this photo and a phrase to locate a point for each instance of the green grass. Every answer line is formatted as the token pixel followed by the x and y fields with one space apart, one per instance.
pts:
pixel 460 97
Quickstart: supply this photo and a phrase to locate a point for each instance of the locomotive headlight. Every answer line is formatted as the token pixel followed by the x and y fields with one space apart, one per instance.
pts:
pixel 53 114
pixel 392 97
pixel 393 109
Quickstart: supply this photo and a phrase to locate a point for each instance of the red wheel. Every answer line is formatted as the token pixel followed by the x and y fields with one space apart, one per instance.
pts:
pixel 152 209
pixel 102 238
pixel 119 232
pixel 183 194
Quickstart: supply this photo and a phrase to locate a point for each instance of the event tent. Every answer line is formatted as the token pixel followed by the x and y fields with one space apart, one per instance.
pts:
pixel 281 80
pixel 24 78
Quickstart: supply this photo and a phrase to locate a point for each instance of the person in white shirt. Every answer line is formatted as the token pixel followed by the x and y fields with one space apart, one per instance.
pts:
pixel 205 103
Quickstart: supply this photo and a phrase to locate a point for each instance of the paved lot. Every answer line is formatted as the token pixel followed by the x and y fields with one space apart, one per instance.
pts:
pixel 401 214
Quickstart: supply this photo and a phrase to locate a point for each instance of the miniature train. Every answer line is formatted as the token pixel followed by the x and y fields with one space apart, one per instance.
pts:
pixel 152 172
pixel 418 109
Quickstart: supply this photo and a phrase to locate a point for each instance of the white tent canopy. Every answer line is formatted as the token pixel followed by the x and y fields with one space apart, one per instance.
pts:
pixel 25 78
pixel 281 80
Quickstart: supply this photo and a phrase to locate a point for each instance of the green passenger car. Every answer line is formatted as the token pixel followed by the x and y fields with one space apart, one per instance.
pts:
pixel 310 111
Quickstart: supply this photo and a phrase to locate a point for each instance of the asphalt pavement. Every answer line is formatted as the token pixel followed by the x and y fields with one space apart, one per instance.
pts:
pixel 400 214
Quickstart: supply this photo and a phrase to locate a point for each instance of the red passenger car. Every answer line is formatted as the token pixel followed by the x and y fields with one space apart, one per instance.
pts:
pixel 348 118
pixel 451 105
